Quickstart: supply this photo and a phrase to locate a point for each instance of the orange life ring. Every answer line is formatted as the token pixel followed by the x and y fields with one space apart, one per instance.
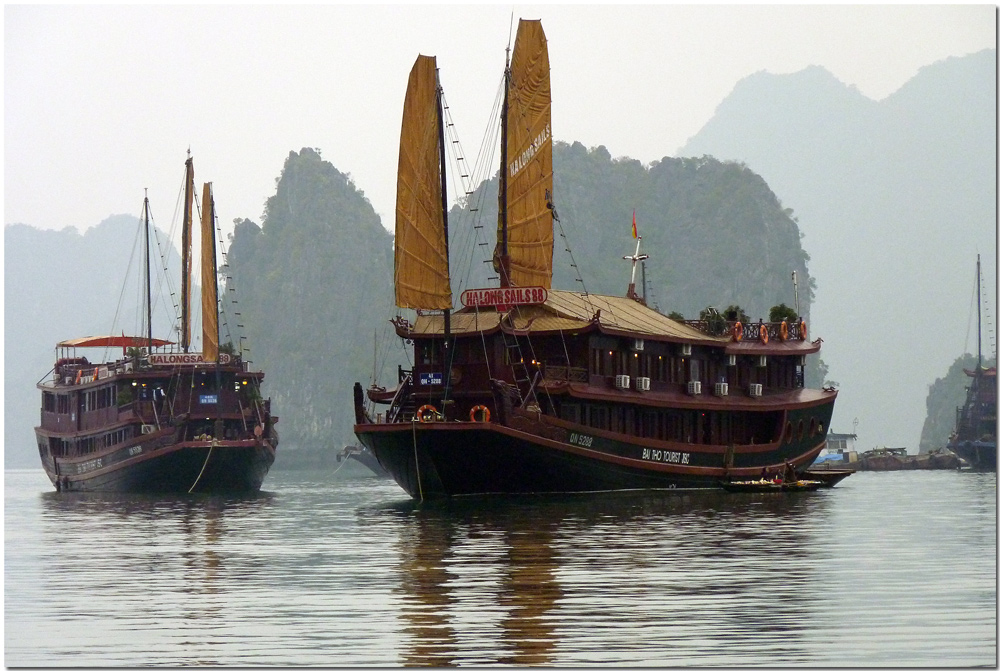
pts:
pixel 482 409
pixel 79 374
pixel 429 416
pixel 783 332
pixel 802 329
pixel 738 331
pixel 763 333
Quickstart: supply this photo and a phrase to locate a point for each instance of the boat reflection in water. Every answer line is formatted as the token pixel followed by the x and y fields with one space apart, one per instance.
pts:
pixel 489 581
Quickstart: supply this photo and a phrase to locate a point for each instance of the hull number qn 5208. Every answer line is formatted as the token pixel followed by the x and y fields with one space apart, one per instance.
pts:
pixel 581 440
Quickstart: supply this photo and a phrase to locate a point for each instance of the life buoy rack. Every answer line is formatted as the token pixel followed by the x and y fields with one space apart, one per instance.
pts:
pixel 738 331
pixel 783 332
pixel 427 413
pixel 764 337
pixel 483 411
pixel 802 329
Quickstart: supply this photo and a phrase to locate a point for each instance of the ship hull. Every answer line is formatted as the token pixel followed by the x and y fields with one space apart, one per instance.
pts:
pixel 980 455
pixel 443 459
pixel 162 465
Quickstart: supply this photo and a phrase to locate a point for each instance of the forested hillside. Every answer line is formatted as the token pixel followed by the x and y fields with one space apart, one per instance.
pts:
pixel 314 280
pixel 314 284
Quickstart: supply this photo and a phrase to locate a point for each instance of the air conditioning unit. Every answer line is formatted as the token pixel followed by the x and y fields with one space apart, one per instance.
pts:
pixel 621 381
pixel 642 383
pixel 685 350
pixel 638 345
pixel 762 360
pixel 730 359
pixel 756 390
pixel 722 389
pixel 148 428
pixel 694 387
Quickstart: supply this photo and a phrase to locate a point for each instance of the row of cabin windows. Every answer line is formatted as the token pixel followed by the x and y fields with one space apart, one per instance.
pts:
pixel 63 448
pixel 666 368
pixel 97 399
pixel 685 426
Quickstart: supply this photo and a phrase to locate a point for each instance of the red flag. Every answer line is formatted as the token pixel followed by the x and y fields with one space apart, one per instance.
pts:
pixel 635 232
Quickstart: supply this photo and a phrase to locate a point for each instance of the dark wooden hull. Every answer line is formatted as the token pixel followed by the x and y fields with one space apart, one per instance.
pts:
pixel 440 459
pixel 980 455
pixel 161 465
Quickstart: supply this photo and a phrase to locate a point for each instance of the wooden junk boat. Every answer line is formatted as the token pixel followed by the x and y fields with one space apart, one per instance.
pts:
pixel 975 435
pixel 158 419
pixel 531 389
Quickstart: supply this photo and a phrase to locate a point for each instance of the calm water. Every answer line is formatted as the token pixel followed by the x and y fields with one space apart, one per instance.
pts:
pixel 887 569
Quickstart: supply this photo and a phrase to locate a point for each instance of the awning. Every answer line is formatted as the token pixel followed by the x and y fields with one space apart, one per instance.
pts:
pixel 113 341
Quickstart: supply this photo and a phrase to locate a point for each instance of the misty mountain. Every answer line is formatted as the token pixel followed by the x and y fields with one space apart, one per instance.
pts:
pixel 60 285
pixel 894 198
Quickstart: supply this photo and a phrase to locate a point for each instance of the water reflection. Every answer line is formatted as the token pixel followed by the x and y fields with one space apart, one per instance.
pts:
pixel 510 580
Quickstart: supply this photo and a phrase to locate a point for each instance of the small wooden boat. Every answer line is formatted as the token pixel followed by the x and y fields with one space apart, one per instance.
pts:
pixel 772 485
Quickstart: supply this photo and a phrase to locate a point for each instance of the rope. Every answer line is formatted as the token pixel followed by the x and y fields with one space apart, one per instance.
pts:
pixel 207 457
pixel 416 462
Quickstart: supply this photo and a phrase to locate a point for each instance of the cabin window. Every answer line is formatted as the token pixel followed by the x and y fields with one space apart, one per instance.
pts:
pixel 597 417
pixel 49 401
pixel 571 412
pixel 695 370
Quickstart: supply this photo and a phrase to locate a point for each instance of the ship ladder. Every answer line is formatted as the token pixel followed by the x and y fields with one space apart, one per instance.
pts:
pixel 522 377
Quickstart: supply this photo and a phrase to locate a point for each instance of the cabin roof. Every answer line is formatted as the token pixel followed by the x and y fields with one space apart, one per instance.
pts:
pixel 570 311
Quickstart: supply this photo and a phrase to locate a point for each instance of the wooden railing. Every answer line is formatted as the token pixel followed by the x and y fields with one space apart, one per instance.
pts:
pixel 565 374
pixel 751 330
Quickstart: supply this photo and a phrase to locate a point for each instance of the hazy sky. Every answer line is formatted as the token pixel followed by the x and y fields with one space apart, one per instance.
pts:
pixel 101 102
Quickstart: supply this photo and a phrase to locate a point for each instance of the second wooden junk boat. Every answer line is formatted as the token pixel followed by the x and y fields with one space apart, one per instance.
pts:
pixel 158 419
pixel 527 389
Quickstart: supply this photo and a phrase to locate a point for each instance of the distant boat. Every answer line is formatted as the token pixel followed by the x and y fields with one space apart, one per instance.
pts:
pixel 158 418
pixel 975 436
pixel 527 389
pixel 363 455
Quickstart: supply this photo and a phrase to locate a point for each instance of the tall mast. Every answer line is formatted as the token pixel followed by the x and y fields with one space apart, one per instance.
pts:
pixel 979 316
pixel 503 267
pixel 444 219
pixel 444 201
pixel 149 301
pixel 186 254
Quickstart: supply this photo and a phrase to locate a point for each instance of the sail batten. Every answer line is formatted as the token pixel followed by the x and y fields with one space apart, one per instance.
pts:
pixel 421 255
pixel 528 168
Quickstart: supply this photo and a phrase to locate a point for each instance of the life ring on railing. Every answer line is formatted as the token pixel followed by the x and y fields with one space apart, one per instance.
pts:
pixel 783 332
pixel 763 333
pixel 802 329
pixel 738 331
pixel 427 413
pixel 485 413
pixel 79 374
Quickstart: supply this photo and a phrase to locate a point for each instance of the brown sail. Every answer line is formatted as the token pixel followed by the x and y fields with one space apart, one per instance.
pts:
pixel 209 287
pixel 529 160
pixel 421 245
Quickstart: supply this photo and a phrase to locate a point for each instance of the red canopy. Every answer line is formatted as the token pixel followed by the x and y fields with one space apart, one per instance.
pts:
pixel 113 341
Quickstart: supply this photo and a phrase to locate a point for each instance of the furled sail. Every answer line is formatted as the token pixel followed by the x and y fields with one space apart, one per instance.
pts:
pixel 529 160
pixel 209 284
pixel 421 241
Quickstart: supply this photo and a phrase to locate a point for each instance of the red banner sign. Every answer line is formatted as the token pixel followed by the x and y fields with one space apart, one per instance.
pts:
pixel 504 299
pixel 180 359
